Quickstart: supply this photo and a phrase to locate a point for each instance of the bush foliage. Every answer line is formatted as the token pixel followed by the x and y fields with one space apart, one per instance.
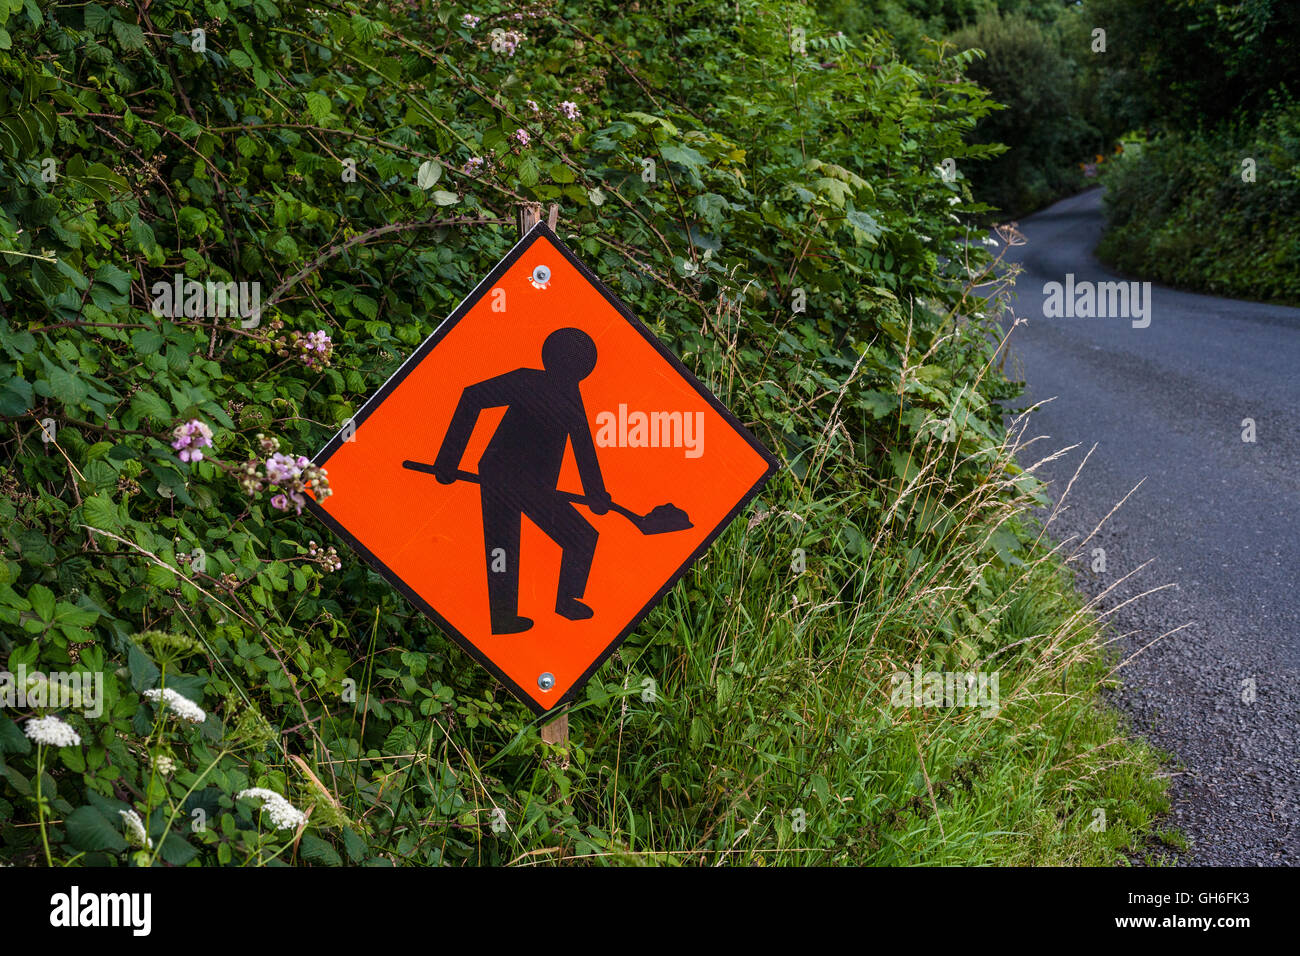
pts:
pixel 1211 201
pixel 1216 212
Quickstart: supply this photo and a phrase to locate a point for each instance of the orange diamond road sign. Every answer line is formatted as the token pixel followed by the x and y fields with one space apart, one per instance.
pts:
pixel 539 473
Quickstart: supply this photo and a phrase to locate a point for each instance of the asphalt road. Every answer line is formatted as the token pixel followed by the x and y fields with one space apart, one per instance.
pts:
pixel 1217 516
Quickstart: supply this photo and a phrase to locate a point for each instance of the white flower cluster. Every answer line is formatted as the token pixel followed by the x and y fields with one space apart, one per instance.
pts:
pixel 51 732
pixel 182 707
pixel 284 815
pixel 135 829
pixel 164 765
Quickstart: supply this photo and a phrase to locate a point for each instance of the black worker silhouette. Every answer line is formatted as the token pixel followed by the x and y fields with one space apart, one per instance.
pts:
pixel 520 470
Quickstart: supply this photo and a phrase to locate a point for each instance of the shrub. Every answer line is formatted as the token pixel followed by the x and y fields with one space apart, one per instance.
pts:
pixel 1180 209
pixel 1044 135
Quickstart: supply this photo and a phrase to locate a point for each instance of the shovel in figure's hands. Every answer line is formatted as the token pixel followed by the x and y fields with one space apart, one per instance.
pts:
pixel 661 519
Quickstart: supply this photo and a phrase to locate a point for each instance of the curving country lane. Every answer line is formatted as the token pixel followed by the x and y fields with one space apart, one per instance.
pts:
pixel 1216 515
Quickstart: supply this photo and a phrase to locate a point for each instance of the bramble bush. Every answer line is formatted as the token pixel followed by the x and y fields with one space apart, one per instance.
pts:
pixel 269 699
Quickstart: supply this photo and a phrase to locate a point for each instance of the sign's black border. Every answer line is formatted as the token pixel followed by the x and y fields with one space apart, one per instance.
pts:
pixel 427 346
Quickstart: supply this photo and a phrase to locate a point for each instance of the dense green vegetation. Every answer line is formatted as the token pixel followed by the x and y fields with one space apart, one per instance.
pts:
pixel 1195 88
pixel 1212 201
pixel 1216 211
pixel 1056 115
pixel 1033 69
pixel 790 162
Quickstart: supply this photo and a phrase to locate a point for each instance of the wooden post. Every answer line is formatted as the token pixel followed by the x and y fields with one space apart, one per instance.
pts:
pixel 555 731
pixel 530 214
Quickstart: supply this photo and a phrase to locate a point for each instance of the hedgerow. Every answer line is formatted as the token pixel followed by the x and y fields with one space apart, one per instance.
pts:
pixel 1215 211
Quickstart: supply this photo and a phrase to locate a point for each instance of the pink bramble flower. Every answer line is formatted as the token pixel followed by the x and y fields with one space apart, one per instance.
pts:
pixel 289 499
pixel 470 21
pixel 570 109
pixel 281 469
pixel 189 438
pixel 295 477
pixel 291 477
pixel 314 348
pixel 521 137
pixel 316 480
pixel 473 166
pixel 532 105
pixel 250 478
pixel 506 41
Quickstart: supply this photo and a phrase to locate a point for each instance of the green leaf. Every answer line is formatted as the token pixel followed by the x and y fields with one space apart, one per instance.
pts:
pixel 42 601
pixel 91 831
pixel 316 850
pixel 160 577
pixel 821 789
pixel 528 172
pixel 144 672
pixel 366 306
pixel 46 277
pixel 863 223
pixel 685 156
pixel 319 106
pixel 430 172
pixel 143 234
pixel 147 403
pixel 176 850
pixel 147 341
pixel 12 739
pixel 96 18
pixel 835 190
pixel 16 780
pixel 16 344
pixel 15 397
pixel 66 387
pixel 286 247
pixel 129 35
pixel 444 198
pixel 70 616
pixel 73 759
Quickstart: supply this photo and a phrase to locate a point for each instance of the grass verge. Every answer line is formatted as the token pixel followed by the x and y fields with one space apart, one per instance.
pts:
pixel 760 717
